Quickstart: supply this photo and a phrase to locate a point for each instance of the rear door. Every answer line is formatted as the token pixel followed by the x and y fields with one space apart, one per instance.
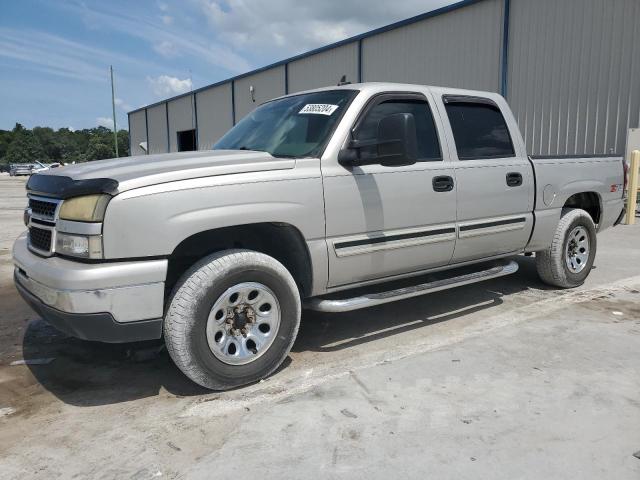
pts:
pixel 495 185
pixel 384 221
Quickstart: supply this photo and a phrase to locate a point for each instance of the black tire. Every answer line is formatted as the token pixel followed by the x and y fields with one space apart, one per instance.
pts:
pixel 193 298
pixel 551 263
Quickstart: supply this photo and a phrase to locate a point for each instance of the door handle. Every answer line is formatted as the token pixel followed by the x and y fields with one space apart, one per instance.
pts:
pixel 442 183
pixel 514 179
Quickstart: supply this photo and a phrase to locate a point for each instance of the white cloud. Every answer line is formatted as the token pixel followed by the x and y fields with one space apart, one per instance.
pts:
pixel 165 85
pixel 122 104
pixel 167 19
pixel 56 55
pixel 186 40
pixel 292 26
pixel 166 49
pixel 105 122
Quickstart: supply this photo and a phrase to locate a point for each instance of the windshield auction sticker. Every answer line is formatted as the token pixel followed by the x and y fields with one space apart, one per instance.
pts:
pixel 319 108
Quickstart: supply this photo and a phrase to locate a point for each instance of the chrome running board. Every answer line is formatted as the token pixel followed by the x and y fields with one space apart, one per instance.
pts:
pixel 370 299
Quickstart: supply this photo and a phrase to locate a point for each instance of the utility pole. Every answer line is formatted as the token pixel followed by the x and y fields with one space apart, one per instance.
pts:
pixel 113 105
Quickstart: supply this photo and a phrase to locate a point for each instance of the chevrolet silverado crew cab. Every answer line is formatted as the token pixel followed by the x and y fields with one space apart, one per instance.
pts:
pixel 332 199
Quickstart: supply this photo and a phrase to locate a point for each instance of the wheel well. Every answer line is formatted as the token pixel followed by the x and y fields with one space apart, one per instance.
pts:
pixel 588 201
pixel 281 241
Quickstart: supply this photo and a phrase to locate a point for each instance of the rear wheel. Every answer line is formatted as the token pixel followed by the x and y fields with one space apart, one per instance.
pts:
pixel 569 259
pixel 232 319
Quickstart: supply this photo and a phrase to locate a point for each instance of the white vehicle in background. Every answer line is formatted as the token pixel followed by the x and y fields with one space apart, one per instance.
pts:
pixel 38 167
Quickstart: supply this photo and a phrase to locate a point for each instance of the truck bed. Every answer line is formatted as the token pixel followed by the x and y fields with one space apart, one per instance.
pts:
pixel 559 177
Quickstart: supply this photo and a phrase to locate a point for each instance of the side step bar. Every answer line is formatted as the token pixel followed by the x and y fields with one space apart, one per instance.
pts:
pixel 371 299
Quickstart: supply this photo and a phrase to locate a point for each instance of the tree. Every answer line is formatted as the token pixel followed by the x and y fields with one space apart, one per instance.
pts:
pixel 123 143
pixel 49 141
pixel 5 139
pixel 43 144
pixel 24 148
pixel 99 149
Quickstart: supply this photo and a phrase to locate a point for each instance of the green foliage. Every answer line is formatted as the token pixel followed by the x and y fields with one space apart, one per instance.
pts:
pixel 46 145
pixel 24 147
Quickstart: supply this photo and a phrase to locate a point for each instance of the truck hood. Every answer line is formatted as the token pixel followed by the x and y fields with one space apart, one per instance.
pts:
pixel 117 175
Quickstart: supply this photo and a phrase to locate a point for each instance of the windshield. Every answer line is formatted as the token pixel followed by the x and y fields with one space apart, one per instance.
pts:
pixel 297 126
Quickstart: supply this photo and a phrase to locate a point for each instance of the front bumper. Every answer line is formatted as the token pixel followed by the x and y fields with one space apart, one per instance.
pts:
pixel 100 327
pixel 110 302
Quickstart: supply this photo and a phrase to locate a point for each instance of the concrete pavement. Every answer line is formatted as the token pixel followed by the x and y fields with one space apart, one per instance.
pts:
pixel 504 379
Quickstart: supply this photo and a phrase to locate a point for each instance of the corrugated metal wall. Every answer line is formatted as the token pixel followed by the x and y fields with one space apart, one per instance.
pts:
pixel 137 131
pixel 458 49
pixel 181 117
pixel 157 128
pixel 214 115
pixel 267 84
pixel 574 73
pixel 325 68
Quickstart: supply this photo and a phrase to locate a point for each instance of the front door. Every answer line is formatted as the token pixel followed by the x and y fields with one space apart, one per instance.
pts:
pixel 384 221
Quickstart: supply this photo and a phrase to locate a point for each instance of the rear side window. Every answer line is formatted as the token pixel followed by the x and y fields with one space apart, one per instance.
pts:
pixel 427 136
pixel 479 130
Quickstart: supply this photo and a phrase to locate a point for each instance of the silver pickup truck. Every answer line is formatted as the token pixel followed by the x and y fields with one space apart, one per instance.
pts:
pixel 332 199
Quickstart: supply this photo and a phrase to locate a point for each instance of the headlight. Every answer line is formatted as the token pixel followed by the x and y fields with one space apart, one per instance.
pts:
pixel 88 208
pixel 83 246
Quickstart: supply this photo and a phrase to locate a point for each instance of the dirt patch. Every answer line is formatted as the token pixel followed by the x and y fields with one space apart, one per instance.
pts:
pixel 619 307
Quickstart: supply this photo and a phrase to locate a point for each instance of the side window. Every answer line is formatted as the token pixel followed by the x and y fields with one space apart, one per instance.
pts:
pixel 427 136
pixel 479 130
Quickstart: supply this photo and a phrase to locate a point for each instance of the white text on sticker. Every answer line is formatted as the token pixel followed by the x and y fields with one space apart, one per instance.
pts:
pixel 319 108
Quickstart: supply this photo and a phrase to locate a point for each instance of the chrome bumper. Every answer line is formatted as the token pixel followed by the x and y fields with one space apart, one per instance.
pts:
pixel 128 291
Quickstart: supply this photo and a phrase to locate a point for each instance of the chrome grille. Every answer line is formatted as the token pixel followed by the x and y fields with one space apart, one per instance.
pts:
pixel 43 208
pixel 40 239
pixel 42 214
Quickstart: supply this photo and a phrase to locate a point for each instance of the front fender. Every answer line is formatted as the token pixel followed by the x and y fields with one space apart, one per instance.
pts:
pixel 153 223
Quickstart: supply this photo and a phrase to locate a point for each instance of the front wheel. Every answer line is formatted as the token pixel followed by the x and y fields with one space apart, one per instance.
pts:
pixel 232 319
pixel 569 259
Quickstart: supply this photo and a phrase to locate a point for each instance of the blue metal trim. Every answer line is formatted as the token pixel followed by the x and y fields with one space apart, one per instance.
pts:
pixel 166 110
pixel 146 129
pixel 195 116
pixel 386 28
pixel 360 61
pixel 233 102
pixel 505 49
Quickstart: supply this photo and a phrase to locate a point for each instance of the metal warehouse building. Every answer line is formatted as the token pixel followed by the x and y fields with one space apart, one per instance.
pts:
pixel 570 69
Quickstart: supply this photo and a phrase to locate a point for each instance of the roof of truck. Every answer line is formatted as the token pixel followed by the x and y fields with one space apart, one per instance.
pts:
pixel 375 87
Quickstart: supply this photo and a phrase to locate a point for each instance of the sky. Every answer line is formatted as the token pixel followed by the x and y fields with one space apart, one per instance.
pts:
pixel 55 55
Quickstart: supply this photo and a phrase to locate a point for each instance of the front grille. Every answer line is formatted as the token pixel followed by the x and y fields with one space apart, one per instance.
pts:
pixel 40 238
pixel 42 208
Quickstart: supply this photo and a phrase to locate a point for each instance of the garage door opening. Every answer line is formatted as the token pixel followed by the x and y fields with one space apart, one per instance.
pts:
pixel 186 141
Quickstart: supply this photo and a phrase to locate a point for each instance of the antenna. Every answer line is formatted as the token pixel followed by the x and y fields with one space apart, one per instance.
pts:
pixel 343 81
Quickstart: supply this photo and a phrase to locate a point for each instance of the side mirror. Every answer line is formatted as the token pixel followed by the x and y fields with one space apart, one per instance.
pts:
pixel 143 146
pixel 395 145
pixel 397 140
